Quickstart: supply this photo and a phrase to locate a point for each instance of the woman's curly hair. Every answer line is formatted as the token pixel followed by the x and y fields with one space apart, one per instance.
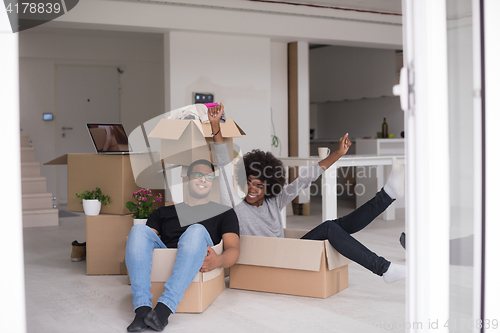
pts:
pixel 264 166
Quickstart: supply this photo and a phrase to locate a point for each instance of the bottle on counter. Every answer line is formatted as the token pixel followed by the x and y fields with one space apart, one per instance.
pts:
pixel 385 130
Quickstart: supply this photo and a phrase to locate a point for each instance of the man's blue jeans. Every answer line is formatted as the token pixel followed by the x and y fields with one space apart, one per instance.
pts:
pixel 191 252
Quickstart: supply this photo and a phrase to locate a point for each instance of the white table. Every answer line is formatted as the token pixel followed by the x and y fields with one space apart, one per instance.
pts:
pixel 329 179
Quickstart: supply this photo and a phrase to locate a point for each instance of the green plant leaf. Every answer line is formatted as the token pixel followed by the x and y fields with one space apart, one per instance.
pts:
pixel 97 194
pixel 131 206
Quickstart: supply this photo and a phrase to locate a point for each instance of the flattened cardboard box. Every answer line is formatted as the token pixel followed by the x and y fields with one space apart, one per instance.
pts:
pixel 204 289
pixel 106 243
pixel 112 173
pixel 289 265
pixel 185 141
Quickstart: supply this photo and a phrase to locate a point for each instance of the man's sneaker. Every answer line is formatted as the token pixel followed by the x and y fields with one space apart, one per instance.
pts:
pixel 79 251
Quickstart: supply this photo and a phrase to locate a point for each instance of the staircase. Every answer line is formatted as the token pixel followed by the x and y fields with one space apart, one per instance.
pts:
pixel 37 203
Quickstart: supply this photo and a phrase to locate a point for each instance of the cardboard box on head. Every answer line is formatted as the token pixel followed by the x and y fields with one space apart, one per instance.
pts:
pixel 185 141
pixel 177 141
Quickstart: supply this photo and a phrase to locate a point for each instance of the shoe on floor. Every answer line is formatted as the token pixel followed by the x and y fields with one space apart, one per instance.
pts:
pixel 79 251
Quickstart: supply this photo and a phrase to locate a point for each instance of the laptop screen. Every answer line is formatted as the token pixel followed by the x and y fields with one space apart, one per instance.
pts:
pixel 108 137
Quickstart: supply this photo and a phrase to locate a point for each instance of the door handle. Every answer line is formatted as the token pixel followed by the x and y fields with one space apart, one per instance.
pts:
pixel 66 128
pixel 402 89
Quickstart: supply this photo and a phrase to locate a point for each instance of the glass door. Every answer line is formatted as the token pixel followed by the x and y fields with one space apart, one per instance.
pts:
pixel 490 80
pixel 441 96
pixel 424 98
pixel 465 165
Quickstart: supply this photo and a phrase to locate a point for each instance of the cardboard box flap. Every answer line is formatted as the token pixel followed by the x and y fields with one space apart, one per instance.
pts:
pixel 239 129
pixel 295 233
pixel 163 263
pixel 171 129
pixel 333 258
pixel 61 160
pixel 281 252
pixel 197 297
pixel 182 141
pixel 229 129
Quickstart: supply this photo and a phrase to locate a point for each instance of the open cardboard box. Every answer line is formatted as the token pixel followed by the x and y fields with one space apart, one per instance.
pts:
pixel 290 266
pixel 112 173
pixel 106 242
pixel 204 289
pixel 185 141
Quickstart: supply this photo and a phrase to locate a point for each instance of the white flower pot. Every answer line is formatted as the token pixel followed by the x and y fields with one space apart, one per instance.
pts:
pixel 140 221
pixel 91 207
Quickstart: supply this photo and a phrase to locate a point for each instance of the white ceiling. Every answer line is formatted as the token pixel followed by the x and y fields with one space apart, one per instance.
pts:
pixel 386 6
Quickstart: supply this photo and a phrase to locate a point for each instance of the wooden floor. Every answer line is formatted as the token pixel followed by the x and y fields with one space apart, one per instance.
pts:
pixel 60 297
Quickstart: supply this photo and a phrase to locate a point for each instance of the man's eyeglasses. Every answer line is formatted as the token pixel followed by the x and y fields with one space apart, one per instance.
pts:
pixel 199 175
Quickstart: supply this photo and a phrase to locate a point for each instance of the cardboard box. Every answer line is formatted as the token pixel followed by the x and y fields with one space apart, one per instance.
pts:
pixel 106 243
pixel 204 289
pixel 290 266
pixel 185 141
pixel 112 173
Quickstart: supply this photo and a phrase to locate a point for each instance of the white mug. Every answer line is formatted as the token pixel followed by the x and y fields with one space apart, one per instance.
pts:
pixel 323 152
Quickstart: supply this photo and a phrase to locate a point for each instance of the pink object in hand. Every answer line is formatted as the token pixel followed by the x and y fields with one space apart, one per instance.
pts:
pixel 210 105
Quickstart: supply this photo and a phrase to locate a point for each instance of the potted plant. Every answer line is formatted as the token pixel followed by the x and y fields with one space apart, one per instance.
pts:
pixel 141 209
pixel 92 201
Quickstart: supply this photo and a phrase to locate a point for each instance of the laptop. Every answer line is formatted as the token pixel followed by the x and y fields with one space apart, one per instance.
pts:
pixel 110 139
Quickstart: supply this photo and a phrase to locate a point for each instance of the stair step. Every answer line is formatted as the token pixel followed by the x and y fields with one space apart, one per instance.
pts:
pixel 33 185
pixel 37 201
pixel 25 140
pixel 40 211
pixel 30 169
pixel 40 217
pixel 37 195
pixel 27 154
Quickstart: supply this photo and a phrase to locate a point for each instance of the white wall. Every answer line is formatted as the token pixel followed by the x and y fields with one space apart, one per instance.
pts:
pixel 351 91
pixel 237 70
pixel 339 73
pixel 359 118
pixel 40 50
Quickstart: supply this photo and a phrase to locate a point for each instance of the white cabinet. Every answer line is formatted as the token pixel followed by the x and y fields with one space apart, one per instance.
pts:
pixel 380 147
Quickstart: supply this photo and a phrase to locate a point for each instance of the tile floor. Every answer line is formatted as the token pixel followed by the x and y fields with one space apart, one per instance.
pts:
pixel 60 297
